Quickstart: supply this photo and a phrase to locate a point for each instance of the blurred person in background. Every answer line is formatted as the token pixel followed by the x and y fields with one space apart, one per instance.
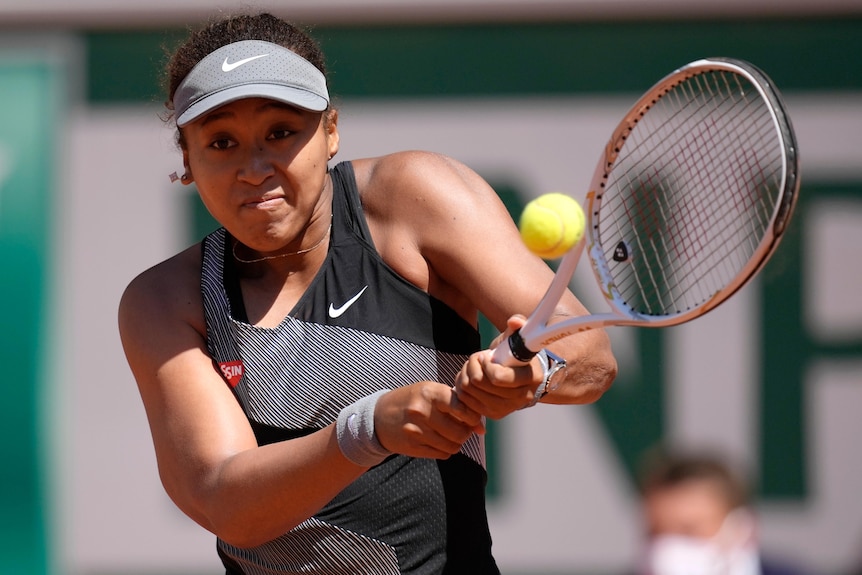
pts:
pixel 698 519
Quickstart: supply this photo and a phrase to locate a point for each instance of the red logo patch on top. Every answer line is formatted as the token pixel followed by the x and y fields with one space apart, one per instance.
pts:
pixel 232 371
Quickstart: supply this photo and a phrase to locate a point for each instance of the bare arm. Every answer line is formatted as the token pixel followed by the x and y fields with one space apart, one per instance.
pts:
pixel 209 461
pixel 208 458
pixel 474 260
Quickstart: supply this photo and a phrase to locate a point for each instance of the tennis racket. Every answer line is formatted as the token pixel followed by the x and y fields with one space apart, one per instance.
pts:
pixel 689 200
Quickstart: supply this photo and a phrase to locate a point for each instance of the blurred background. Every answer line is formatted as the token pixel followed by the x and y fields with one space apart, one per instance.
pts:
pixel 524 92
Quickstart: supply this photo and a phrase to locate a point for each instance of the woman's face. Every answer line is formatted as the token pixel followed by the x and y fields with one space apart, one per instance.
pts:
pixel 260 169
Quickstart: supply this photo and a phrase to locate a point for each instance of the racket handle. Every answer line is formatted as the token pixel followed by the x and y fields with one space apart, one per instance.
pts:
pixel 513 351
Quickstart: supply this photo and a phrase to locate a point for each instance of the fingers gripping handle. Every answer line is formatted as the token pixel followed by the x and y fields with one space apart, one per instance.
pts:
pixel 513 351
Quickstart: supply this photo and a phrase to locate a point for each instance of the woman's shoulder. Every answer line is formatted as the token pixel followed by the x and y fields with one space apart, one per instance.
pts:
pixel 167 290
pixel 402 167
pixel 413 179
pixel 172 272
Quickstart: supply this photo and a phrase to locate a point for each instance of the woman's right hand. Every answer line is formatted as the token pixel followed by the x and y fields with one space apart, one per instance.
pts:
pixel 424 419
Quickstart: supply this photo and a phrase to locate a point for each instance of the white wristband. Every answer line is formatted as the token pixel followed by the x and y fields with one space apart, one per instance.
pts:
pixel 354 430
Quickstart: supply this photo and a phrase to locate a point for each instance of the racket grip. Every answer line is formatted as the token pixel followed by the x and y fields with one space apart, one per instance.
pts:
pixel 513 351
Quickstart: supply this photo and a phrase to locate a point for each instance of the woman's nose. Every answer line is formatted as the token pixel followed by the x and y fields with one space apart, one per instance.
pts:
pixel 257 167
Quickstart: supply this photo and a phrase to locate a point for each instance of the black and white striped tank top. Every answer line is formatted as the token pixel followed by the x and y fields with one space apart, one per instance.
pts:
pixel 359 328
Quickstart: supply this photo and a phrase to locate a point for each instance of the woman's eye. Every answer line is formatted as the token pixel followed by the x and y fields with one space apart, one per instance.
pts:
pixel 279 134
pixel 222 144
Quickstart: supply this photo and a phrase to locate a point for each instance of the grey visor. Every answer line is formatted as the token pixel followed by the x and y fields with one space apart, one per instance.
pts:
pixel 249 69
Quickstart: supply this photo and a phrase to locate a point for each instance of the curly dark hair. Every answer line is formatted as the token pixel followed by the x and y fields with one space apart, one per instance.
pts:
pixel 236 28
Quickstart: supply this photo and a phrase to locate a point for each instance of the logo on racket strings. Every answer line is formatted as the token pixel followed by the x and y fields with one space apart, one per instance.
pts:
pixel 621 252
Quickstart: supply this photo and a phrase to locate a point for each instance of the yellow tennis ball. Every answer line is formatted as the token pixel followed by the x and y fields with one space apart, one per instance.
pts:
pixel 551 224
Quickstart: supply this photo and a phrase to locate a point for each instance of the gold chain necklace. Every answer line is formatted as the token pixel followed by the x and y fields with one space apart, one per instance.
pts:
pixel 265 258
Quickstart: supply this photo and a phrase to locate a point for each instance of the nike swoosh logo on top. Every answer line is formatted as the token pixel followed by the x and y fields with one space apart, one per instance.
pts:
pixel 227 67
pixel 335 312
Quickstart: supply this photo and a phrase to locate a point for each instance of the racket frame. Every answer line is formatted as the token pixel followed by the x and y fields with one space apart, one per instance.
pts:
pixel 537 333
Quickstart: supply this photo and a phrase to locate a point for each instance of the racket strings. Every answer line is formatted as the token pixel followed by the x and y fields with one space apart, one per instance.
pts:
pixel 685 244
pixel 695 219
pixel 741 165
pixel 691 194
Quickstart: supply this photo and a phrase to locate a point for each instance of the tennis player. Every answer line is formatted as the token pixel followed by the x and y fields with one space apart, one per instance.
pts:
pixel 298 365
